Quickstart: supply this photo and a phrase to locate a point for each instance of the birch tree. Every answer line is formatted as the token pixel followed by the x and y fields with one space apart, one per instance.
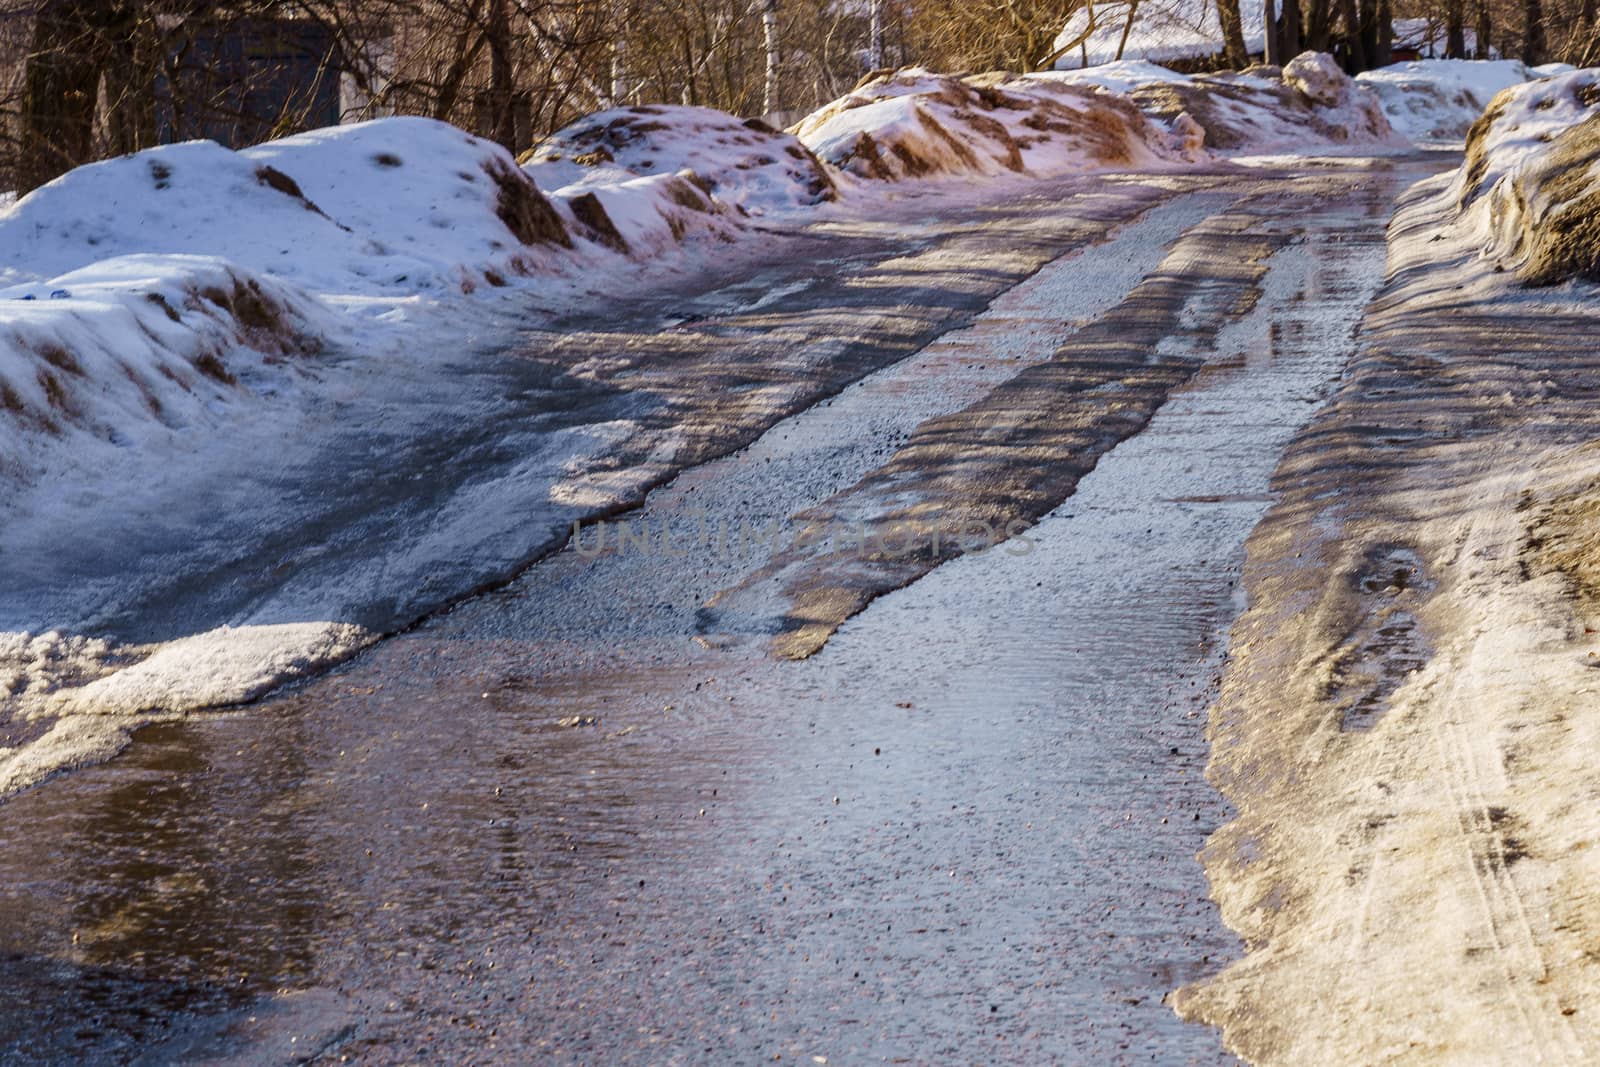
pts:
pixel 769 38
pixel 875 35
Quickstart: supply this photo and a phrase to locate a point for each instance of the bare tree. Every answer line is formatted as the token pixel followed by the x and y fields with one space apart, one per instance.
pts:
pixel 1533 35
pixel 769 38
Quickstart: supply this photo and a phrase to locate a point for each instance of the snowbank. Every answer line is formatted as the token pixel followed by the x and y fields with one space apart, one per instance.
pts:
pixel 399 206
pixel 242 261
pixel 152 291
pixel 1309 102
pixel 1529 190
pixel 642 180
pixel 648 217
pixel 913 124
pixel 1408 722
pixel 173 322
pixel 1120 77
pixel 1437 100
pixel 109 353
pixel 1164 32
pixel 742 162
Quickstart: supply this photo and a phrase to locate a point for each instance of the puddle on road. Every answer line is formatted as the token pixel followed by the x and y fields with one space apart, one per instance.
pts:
pixel 966 830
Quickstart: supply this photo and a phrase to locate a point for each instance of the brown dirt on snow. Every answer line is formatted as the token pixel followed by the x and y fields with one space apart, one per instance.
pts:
pixel 1563 537
pixel 1477 151
pixel 591 214
pixel 524 210
pixel 1560 199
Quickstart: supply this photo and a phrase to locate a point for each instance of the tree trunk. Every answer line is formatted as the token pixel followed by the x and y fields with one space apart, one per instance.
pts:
pixel 1273 49
pixel 1291 28
pixel 1480 47
pixel 1233 49
pixel 1317 25
pixel 130 84
pixel 1368 10
pixel 1383 55
pixel 1455 35
pixel 502 82
pixel 769 39
pixel 1127 28
pixel 465 50
pixel 875 40
pixel 1533 48
pixel 1356 54
pixel 619 62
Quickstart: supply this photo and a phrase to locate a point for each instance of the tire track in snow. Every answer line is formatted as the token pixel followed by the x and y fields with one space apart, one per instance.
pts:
pixel 1004 461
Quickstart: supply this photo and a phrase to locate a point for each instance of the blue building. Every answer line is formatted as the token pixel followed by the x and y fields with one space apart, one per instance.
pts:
pixel 243 82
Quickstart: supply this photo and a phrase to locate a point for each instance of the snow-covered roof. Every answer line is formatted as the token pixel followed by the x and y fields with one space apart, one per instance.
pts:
pixel 1162 31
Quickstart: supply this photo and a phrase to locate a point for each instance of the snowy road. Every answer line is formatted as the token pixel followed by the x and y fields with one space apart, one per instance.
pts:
pixel 591 816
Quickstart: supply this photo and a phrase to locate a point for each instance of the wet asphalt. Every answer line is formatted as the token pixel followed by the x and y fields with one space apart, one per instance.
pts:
pixel 567 822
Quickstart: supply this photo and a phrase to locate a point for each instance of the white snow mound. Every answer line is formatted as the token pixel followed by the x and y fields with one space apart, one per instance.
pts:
pixel 98 355
pixel 153 291
pixel 401 205
pixel 1437 100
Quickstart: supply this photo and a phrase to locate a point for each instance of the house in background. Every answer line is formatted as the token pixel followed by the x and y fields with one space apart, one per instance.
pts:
pixel 245 81
pixel 237 81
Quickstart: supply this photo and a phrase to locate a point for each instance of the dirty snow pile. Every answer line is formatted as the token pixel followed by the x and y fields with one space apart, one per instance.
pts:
pixel 146 294
pixel 150 294
pixel 742 162
pixel 1437 100
pixel 1408 724
pixel 1161 33
pixel 1528 193
pixel 641 179
pixel 1309 102
pixel 914 124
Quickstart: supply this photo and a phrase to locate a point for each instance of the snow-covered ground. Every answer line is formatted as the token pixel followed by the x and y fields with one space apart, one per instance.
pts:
pixel 149 297
pixel 1122 76
pixel 745 162
pixel 1437 100
pixel 1430 101
pixel 1161 32
pixel 914 124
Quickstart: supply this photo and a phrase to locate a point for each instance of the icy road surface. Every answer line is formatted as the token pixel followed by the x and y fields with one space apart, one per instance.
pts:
pixel 591 816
